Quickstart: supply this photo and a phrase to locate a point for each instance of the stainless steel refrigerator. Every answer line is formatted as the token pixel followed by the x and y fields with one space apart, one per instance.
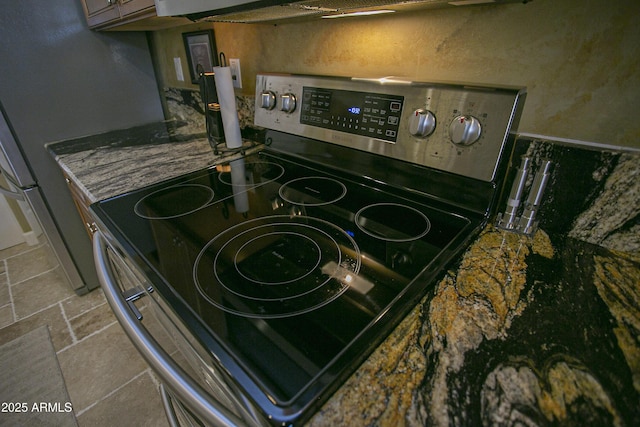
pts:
pixel 60 80
pixel 19 184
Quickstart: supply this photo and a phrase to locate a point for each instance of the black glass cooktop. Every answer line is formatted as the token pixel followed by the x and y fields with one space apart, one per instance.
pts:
pixel 295 273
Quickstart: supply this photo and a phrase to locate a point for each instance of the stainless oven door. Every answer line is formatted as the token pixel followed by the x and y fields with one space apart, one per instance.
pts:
pixel 186 401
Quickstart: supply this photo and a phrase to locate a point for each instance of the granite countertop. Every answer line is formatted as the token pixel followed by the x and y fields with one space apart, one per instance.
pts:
pixel 532 331
pixel 520 332
pixel 117 162
pixel 527 331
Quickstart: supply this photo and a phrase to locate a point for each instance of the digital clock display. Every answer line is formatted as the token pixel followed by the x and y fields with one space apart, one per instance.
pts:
pixel 372 115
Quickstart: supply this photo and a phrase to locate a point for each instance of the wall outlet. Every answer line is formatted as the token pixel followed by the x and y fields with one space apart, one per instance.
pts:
pixel 236 77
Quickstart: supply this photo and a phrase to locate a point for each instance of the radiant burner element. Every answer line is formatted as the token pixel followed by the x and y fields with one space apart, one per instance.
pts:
pixel 312 191
pixel 264 172
pixel 301 252
pixel 173 202
pixel 277 266
pixel 392 222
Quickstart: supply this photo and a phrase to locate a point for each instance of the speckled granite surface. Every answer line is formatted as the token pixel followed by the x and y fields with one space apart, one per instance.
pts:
pixel 526 331
pixel 619 203
pixel 186 106
pixel 519 333
pixel 530 331
pixel 120 161
pixel 146 154
pixel 593 195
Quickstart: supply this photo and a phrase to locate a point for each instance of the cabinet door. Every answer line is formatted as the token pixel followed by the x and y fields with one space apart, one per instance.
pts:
pixel 132 7
pixel 100 12
pixel 82 205
pixel 97 6
pixel 127 15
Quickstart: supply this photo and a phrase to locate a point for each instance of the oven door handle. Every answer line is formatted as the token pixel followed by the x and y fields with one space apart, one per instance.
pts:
pixel 169 410
pixel 185 388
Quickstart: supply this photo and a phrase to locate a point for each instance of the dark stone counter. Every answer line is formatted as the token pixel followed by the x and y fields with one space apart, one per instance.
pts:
pixel 518 333
pixel 534 331
pixel 119 161
pixel 530 331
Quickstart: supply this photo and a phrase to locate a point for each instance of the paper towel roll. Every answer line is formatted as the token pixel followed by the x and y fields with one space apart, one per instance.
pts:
pixel 228 109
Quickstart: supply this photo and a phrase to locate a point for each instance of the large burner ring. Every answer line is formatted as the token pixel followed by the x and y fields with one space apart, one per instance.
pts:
pixel 276 266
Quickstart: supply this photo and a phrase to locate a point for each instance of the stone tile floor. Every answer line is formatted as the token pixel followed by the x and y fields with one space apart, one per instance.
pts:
pixel 107 380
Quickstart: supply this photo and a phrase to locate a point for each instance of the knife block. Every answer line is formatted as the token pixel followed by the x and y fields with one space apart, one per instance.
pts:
pixel 213 118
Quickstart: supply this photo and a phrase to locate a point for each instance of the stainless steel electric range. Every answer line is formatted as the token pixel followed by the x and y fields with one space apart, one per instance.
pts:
pixel 277 273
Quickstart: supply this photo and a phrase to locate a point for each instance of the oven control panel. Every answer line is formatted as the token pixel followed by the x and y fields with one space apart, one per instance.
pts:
pixel 375 115
pixel 456 128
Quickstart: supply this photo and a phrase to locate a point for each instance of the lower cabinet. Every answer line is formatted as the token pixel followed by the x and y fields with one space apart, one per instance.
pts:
pixel 82 205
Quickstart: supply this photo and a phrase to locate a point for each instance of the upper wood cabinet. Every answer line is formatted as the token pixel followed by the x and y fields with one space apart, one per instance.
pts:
pixel 126 15
pixel 106 7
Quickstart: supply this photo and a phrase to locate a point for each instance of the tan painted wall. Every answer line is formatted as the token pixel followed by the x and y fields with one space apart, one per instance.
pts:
pixel 579 59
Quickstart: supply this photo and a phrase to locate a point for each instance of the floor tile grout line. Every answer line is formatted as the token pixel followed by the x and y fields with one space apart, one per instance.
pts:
pixel 35 276
pixel 80 308
pixel 115 322
pixel 11 302
pixel 86 311
pixel 30 249
pixel 50 306
pixel 111 393
pixel 156 381
pixel 42 309
pixel 68 323
pixel 6 271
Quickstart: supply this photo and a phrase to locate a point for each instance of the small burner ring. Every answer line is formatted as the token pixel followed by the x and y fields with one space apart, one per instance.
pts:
pixel 312 191
pixel 266 236
pixel 225 177
pixel 186 199
pixel 410 223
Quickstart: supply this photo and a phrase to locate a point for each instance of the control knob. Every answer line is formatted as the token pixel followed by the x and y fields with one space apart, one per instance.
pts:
pixel 288 102
pixel 465 130
pixel 267 100
pixel 422 123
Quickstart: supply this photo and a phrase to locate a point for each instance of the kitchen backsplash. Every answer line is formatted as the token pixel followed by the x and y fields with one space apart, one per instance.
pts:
pixel 186 106
pixel 580 61
pixel 592 194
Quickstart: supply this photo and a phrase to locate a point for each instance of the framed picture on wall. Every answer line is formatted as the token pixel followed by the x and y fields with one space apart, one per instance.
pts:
pixel 201 50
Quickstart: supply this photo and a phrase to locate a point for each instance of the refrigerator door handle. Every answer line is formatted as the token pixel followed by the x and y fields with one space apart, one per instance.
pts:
pixel 8 191
pixel 11 194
